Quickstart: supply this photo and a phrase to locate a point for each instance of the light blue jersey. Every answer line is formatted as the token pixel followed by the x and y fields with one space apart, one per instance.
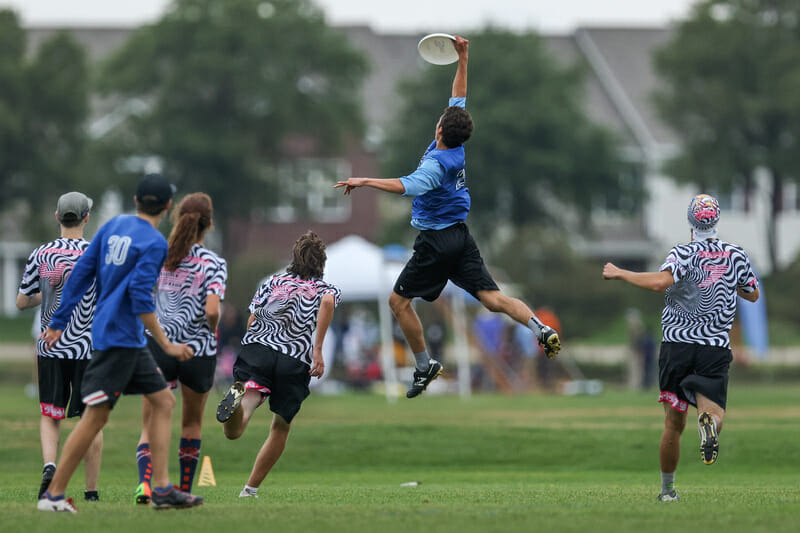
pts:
pixel 439 185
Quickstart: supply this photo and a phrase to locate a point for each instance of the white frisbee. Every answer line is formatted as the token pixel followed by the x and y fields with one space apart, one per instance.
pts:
pixel 438 48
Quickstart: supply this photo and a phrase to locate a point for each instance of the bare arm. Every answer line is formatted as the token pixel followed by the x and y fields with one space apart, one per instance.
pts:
pixel 460 80
pixel 749 296
pixel 653 281
pixel 180 351
pixel 250 321
pixel 323 321
pixel 212 311
pixel 26 302
pixel 393 185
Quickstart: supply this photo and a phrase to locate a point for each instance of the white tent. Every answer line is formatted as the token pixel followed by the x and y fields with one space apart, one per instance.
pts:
pixel 363 274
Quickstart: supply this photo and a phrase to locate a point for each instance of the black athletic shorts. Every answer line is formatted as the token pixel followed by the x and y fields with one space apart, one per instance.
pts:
pixel 197 373
pixel 120 371
pixel 441 255
pixel 60 386
pixel 282 377
pixel 685 369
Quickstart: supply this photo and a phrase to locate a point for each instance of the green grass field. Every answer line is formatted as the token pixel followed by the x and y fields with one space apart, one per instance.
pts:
pixel 494 463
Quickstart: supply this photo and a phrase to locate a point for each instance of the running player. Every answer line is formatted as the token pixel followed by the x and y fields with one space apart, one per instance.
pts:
pixel 124 258
pixel 190 287
pixel 61 368
pixel 444 249
pixel 277 359
pixel 702 280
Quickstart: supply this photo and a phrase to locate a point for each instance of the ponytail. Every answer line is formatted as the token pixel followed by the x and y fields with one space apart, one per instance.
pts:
pixel 191 220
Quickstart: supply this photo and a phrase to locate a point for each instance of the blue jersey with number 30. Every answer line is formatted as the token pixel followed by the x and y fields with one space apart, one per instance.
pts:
pixel 125 257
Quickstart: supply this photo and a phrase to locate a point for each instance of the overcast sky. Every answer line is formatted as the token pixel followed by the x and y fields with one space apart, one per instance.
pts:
pixel 391 16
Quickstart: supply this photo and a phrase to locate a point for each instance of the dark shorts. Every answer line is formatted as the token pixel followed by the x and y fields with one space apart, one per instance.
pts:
pixel 685 369
pixel 120 371
pixel 282 377
pixel 441 255
pixel 197 373
pixel 60 387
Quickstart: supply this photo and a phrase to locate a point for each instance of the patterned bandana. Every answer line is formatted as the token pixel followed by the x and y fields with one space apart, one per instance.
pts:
pixel 703 215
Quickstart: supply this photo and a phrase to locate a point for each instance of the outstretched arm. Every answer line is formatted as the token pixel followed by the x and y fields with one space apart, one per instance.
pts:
pixel 382 184
pixel 460 81
pixel 653 281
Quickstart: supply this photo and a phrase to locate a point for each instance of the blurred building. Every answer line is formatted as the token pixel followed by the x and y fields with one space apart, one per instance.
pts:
pixel 618 94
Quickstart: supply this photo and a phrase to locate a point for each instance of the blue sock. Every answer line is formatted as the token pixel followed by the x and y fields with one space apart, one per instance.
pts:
pixel 188 454
pixel 51 498
pixel 162 490
pixel 143 462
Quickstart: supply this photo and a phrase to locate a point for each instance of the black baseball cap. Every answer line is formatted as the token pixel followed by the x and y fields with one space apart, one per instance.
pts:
pixel 154 189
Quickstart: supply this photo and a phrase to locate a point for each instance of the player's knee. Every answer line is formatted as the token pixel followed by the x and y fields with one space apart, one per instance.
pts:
pixel 674 423
pixel 398 304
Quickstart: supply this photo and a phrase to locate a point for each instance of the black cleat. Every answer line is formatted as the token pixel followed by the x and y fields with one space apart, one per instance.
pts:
pixel 91 496
pixel 422 378
pixel 550 342
pixel 174 499
pixel 709 441
pixel 47 476
pixel 230 402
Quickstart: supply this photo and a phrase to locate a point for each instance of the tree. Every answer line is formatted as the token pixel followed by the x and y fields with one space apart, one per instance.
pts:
pixel 732 72
pixel 533 150
pixel 222 86
pixel 43 111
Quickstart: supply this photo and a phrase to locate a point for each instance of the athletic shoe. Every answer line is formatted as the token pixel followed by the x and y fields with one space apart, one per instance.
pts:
pixel 230 402
pixel 422 378
pixel 91 496
pixel 548 338
pixel 142 496
pixel 64 505
pixel 709 441
pixel 248 494
pixel 174 499
pixel 47 476
pixel 669 497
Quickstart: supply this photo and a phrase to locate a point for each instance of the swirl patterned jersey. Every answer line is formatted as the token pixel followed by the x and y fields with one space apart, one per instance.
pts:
pixel 181 299
pixel 285 308
pixel 46 271
pixel 700 306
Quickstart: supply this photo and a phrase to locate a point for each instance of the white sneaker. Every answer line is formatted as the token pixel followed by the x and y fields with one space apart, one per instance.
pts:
pixel 65 505
pixel 248 493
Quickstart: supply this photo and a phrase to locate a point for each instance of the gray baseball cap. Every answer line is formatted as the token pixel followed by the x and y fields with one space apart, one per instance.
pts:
pixel 73 205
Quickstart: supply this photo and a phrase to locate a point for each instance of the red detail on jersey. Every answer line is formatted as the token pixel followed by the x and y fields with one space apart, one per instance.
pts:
pixel 706 254
pixel 715 272
pixel 54 275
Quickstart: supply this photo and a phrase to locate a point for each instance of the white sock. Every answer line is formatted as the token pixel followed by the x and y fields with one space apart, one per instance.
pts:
pixel 667 482
pixel 251 490
pixel 535 325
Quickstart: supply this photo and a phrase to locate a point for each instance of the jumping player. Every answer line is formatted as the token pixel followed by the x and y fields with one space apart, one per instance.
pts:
pixel 444 249
pixel 124 259
pixel 277 359
pixel 190 287
pixel 61 368
pixel 702 280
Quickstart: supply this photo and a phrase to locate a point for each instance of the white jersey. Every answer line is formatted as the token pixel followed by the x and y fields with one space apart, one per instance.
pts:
pixel 701 304
pixel 286 308
pixel 181 299
pixel 46 271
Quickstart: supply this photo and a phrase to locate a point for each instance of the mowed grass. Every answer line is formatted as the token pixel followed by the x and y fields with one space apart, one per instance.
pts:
pixel 493 463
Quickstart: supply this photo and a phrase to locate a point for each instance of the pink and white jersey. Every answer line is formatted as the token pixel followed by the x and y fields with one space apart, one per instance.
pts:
pixel 701 304
pixel 181 299
pixel 46 271
pixel 286 308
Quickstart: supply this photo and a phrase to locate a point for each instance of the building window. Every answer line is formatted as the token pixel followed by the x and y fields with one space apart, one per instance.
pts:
pixel 307 193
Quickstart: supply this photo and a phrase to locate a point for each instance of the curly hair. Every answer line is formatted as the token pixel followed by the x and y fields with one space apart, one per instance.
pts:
pixel 190 221
pixel 308 256
pixel 456 124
